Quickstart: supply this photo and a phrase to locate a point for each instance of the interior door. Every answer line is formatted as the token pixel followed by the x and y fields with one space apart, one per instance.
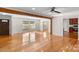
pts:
pixel 4 27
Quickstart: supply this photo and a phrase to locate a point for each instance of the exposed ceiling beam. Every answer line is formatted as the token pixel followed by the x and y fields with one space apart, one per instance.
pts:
pixel 21 13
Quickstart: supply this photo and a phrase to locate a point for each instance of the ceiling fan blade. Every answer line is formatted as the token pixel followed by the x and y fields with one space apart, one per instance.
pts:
pixel 57 11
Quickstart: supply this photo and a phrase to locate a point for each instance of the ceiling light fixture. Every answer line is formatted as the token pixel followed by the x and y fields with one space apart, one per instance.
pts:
pixel 33 8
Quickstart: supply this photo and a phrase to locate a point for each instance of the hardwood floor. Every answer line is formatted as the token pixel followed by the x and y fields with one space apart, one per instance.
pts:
pixel 50 43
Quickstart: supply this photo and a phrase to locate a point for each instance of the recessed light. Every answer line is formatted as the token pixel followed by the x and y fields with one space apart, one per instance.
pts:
pixel 33 8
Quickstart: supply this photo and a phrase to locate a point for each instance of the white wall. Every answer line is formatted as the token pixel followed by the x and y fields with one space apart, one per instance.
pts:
pixel 57 26
pixel 17 22
pixel 66 25
pixel 74 14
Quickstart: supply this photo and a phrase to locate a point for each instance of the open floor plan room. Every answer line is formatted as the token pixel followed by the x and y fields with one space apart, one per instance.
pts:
pixel 39 29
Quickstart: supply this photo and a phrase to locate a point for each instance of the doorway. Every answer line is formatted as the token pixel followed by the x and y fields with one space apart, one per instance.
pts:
pixel 4 26
pixel 71 28
pixel 70 31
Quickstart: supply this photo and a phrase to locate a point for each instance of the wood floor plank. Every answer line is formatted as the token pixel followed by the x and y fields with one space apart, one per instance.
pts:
pixel 50 43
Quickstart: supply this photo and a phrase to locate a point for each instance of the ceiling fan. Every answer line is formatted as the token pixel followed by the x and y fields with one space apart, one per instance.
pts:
pixel 53 10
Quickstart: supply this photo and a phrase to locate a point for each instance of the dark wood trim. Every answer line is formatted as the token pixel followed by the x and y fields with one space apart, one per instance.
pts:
pixel 51 26
pixel 20 13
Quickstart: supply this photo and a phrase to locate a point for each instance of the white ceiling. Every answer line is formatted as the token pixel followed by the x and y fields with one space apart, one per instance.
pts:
pixel 45 11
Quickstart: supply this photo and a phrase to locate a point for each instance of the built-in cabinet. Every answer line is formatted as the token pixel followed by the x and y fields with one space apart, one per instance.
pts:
pixel 35 25
pixel 28 26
